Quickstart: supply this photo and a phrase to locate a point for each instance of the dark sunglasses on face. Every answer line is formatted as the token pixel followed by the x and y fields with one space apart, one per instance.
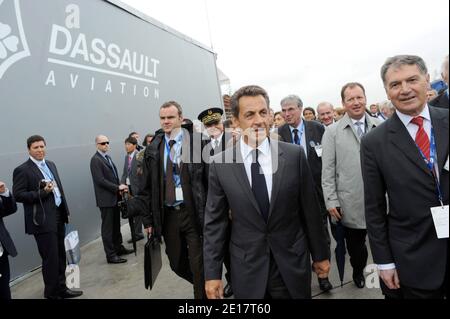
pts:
pixel 104 143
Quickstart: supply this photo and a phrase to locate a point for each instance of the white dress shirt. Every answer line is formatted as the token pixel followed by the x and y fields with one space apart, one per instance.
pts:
pixel 363 121
pixel 216 141
pixel 264 159
pixel 412 130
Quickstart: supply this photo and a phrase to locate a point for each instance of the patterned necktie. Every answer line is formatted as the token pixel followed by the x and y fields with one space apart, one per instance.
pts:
pixel 259 186
pixel 296 137
pixel 359 130
pixel 170 184
pixel 422 140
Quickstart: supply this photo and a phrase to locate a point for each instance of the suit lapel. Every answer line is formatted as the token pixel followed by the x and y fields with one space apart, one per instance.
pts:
pixel 400 137
pixel 285 133
pixel 35 169
pixel 440 127
pixel 278 164
pixel 308 136
pixel 241 176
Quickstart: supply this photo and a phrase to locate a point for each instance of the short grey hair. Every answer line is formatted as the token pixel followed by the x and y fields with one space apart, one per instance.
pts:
pixel 325 104
pixel 399 60
pixel 292 99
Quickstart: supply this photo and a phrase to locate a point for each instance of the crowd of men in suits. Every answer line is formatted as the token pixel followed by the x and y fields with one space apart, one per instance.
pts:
pixel 259 201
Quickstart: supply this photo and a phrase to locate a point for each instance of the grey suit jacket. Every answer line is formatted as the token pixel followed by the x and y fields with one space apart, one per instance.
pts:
pixel 294 229
pixel 342 181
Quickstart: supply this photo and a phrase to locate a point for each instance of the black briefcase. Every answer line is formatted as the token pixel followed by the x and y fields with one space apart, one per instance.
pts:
pixel 152 261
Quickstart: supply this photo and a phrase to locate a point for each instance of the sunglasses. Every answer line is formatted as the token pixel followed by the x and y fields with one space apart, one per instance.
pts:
pixel 104 143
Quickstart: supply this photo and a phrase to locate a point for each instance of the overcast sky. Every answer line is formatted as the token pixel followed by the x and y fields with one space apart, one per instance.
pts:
pixel 309 48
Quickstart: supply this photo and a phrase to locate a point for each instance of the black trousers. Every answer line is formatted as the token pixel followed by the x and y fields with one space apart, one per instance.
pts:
pixel 5 292
pixel 184 248
pixel 137 220
pixel 53 253
pixel 276 288
pixel 111 235
pixel 226 259
pixel 355 240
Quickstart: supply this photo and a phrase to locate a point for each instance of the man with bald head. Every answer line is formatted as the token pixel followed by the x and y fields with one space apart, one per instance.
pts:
pixel 325 113
pixel 107 191
pixel 442 99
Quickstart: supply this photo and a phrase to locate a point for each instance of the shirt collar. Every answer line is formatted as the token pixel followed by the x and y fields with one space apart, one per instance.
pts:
pixel 178 138
pixel 299 127
pixel 246 150
pixel 38 163
pixel 362 119
pixel 406 119
pixel 102 154
pixel 219 138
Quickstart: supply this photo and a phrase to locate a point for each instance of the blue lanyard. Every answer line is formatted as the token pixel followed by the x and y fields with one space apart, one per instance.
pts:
pixel 430 164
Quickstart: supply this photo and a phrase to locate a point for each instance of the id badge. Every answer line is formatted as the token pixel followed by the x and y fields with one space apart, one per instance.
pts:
pixel 440 220
pixel 179 194
pixel 127 181
pixel 446 165
pixel 318 149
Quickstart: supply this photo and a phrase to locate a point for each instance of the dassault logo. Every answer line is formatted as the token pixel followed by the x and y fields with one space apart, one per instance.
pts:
pixel 13 44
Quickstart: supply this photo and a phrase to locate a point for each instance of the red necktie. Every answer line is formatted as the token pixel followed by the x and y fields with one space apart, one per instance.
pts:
pixel 422 140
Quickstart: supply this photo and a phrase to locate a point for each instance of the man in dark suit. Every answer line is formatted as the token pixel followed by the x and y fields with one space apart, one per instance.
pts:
pixel 7 207
pixel 131 178
pixel 276 218
pixel 107 191
pixel 37 185
pixel 442 99
pixel 407 158
pixel 212 120
pixel 307 134
pixel 174 185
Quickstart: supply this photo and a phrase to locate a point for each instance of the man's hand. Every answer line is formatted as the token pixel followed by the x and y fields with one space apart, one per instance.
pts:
pixel 214 289
pixel 49 187
pixel 322 268
pixel 336 213
pixel 149 230
pixel 390 278
pixel 2 187
pixel 123 188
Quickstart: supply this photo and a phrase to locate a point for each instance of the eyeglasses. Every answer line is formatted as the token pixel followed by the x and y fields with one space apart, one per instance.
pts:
pixel 104 143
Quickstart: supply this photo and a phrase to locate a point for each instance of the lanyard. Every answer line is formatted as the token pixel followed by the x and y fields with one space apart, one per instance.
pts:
pixel 430 164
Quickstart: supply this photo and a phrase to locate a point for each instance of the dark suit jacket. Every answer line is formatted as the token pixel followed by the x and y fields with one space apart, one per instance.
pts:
pixel 313 133
pixel 7 207
pixel 406 236
pixel 106 184
pixel 134 178
pixel 441 100
pixel 192 180
pixel 39 206
pixel 294 229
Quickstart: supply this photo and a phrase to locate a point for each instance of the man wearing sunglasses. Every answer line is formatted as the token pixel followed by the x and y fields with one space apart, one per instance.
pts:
pixel 107 191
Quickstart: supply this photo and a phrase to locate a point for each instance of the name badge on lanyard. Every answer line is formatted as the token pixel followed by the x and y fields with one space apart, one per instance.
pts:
pixel 438 213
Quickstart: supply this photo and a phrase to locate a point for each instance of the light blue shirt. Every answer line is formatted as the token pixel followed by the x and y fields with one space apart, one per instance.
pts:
pixel 301 134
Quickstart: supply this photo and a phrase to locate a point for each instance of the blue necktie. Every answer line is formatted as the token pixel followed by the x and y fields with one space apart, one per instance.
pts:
pixel 296 137
pixel 259 186
pixel 50 176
